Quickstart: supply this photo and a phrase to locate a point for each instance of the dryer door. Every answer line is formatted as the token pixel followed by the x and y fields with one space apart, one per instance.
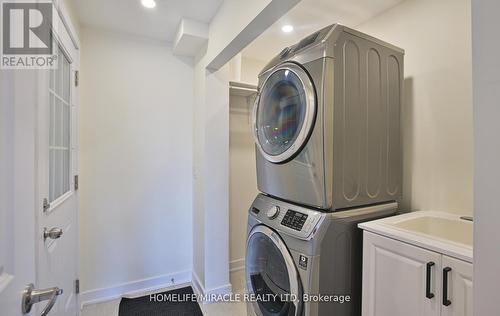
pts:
pixel 284 113
pixel 271 277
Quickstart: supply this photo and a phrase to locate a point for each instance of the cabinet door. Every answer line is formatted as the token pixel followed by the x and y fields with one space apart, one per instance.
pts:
pixel 395 278
pixel 458 288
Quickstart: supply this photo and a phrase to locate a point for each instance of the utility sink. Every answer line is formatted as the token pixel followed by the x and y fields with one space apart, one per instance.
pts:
pixel 455 230
pixel 442 232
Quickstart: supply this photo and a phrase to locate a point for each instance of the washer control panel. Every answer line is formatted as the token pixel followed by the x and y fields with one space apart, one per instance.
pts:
pixel 285 217
pixel 294 220
pixel 273 212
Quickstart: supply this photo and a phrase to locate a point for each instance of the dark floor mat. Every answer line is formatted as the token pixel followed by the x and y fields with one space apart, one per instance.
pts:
pixel 144 306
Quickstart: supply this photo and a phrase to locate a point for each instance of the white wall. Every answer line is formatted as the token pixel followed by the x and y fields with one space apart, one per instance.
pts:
pixel 242 170
pixel 243 176
pixel 198 185
pixel 250 69
pixel 211 136
pixel 68 6
pixel 136 164
pixel 486 52
pixel 244 69
pixel 437 111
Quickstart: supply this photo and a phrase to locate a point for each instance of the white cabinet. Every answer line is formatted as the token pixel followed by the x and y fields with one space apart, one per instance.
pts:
pixel 401 279
pixel 459 286
pixel 394 278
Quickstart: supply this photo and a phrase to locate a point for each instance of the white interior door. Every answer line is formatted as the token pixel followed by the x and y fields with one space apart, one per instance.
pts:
pixel 17 187
pixel 57 225
pixel 25 257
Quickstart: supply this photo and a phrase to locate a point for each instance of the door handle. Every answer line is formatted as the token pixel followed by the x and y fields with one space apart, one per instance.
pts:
pixel 32 296
pixel 428 292
pixel 446 301
pixel 53 233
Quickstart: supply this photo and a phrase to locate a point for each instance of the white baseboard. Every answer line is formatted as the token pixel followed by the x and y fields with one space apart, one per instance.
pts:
pixel 199 289
pixel 135 288
pixel 237 265
pixel 220 290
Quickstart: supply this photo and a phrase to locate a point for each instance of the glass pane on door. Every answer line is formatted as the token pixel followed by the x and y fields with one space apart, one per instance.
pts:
pixel 60 129
pixel 267 274
pixel 281 112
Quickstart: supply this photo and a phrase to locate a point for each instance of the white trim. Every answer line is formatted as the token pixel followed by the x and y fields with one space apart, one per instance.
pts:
pixel 67 103
pixel 197 286
pixel 60 200
pixel 68 24
pixel 134 288
pixel 5 280
pixel 237 265
pixel 154 290
pixel 199 289
pixel 220 290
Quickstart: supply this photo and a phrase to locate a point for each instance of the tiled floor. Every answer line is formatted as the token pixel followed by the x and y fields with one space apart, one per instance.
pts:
pixel 215 309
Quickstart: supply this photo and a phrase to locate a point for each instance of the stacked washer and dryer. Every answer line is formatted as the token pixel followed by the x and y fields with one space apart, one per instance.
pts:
pixel 328 145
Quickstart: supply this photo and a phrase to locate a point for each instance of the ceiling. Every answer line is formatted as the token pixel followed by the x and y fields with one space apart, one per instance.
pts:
pixel 309 16
pixel 129 16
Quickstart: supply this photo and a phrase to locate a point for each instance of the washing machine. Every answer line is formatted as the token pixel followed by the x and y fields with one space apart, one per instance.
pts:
pixel 305 262
pixel 326 121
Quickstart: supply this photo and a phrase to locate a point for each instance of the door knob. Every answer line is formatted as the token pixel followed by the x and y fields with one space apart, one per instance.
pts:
pixel 32 296
pixel 52 233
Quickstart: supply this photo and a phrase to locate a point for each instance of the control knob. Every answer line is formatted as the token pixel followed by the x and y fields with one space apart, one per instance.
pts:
pixel 273 212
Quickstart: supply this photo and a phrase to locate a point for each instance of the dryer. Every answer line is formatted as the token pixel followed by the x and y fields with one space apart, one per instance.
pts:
pixel 326 121
pixel 298 255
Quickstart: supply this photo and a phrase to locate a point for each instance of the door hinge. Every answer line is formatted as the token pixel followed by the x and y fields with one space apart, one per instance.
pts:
pixel 77 286
pixel 46 205
pixel 76 182
pixel 77 77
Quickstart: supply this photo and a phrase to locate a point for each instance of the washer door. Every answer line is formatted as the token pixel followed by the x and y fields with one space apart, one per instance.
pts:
pixel 284 113
pixel 271 275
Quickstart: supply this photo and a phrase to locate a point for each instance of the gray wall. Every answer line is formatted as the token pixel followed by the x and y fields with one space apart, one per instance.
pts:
pixel 486 70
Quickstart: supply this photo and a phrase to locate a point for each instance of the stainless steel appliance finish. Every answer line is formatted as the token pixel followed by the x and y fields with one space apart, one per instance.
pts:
pixel 302 252
pixel 327 121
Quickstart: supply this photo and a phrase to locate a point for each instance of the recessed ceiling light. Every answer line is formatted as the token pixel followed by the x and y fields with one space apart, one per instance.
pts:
pixel 149 3
pixel 287 28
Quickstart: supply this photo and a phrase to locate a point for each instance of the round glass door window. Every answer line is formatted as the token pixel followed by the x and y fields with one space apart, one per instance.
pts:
pixel 268 277
pixel 285 113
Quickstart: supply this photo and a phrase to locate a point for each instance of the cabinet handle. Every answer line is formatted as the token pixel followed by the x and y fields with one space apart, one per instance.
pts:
pixel 428 292
pixel 446 301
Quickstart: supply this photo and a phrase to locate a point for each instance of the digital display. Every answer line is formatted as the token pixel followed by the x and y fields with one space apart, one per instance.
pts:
pixel 294 220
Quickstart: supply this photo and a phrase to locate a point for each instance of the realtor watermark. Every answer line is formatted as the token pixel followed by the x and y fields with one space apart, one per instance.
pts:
pixel 27 41
pixel 247 297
